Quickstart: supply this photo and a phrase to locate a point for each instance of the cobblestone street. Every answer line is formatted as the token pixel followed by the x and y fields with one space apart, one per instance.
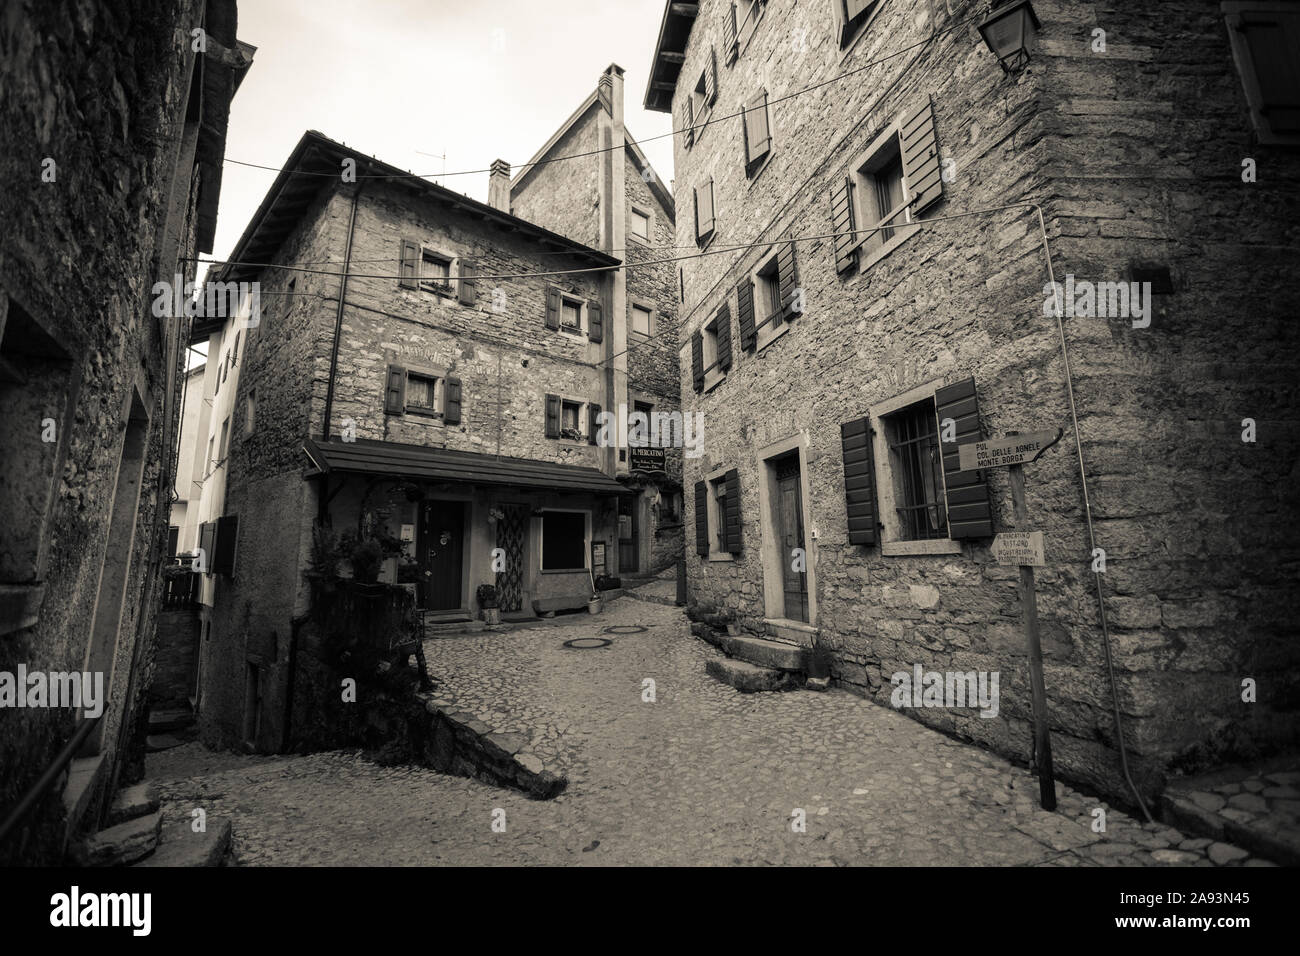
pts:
pixel 703 775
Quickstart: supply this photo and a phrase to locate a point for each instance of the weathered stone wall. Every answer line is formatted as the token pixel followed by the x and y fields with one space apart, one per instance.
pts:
pixel 1136 155
pixel 101 92
pixel 564 197
pixel 175 660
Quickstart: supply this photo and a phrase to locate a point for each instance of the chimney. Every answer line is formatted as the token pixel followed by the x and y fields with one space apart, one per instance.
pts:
pixel 499 185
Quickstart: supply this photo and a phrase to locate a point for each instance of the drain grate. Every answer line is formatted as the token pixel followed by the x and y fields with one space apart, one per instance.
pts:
pixel 624 629
pixel 588 643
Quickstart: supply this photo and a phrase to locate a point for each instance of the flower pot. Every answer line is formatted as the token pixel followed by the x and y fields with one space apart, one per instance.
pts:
pixel 492 615
pixel 593 606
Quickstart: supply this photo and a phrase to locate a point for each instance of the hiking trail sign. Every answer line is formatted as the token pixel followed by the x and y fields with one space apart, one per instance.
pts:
pixel 1012 450
pixel 1024 548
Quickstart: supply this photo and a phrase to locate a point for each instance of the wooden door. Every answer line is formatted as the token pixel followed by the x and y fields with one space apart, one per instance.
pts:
pixel 794 576
pixel 442 543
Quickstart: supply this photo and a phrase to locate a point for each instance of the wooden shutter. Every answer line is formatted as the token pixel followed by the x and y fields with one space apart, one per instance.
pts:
pixel 723 326
pixel 711 79
pixel 451 402
pixel 843 225
pixel 704 210
pixel 593 422
pixel 467 288
pixel 970 514
pixel 552 416
pixel 395 392
pixel 735 538
pixel 552 308
pixel 730 48
pixel 223 557
pixel 595 321
pixel 921 159
pixel 701 519
pixel 689 126
pixel 745 314
pixel 697 360
pixel 207 541
pixel 409 265
pixel 788 278
pixel 758 138
pixel 859 481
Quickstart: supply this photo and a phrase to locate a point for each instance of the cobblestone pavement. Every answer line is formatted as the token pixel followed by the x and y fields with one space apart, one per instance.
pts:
pixel 703 775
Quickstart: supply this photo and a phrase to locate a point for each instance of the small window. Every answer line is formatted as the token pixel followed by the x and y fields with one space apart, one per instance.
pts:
pixel 853 15
pixel 640 320
pixel 767 294
pixel 700 103
pixel 916 466
pixel 435 273
pixel 640 225
pixel 422 393
pixel 711 345
pixel 571 315
pixel 1265 38
pixel 718 491
pixel 564 541
pixel 225 438
pixel 882 197
pixel 570 419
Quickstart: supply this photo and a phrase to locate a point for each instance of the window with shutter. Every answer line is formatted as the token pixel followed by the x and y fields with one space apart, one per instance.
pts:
pixel 1265 39
pixel 921 159
pixel 701 519
pixel 734 536
pixel 745 314
pixel 704 222
pixel 409 265
pixel 451 402
pixel 595 321
pixel 223 557
pixel 466 289
pixel 758 138
pixel 722 335
pixel 851 17
pixel 859 481
pixel 395 391
pixel 846 239
pixel 788 275
pixel 593 423
pixel 552 308
pixel 970 512
pixel 730 48
pixel 689 119
pixel 552 416
pixel 697 360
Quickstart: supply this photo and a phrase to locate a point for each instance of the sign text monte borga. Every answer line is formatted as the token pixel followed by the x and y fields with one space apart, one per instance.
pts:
pixel 996 452
pixel 1020 548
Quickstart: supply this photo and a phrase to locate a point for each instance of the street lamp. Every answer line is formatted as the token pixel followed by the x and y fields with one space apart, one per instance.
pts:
pixel 1007 31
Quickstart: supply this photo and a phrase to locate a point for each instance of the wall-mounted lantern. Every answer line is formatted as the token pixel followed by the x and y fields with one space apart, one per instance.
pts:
pixel 1008 31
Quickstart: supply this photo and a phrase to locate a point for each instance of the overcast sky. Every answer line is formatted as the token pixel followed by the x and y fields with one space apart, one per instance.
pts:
pixel 400 78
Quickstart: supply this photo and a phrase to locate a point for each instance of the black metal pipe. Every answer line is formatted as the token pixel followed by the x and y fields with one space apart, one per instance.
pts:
pixel 338 318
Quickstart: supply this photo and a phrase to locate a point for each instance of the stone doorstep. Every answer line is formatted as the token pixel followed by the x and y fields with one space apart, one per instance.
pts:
pixel 750 678
pixel 181 846
pixel 120 845
pixel 790 632
pixel 765 653
pixel 132 802
pixel 1181 812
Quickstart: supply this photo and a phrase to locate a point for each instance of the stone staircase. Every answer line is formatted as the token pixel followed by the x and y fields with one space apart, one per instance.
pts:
pixel 169 728
pixel 134 835
pixel 782 660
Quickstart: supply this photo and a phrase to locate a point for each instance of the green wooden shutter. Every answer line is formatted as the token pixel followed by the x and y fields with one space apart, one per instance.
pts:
pixel 730 48
pixel 859 481
pixel 595 321
pixel 395 392
pixel 843 225
pixel 552 308
pixel 735 538
pixel 552 416
pixel 451 402
pixel 701 519
pixel 593 422
pixel 921 159
pixel 697 360
pixel 724 337
pixel 409 265
pixel 758 138
pixel 745 314
pixel 227 533
pixel 788 278
pixel 970 513
pixel 467 288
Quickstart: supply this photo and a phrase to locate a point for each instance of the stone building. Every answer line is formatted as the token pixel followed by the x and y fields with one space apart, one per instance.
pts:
pixel 114 123
pixel 429 372
pixel 889 301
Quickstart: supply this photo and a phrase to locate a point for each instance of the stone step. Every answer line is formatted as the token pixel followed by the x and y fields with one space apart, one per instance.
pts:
pixel 750 678
pixel 156 742
pixel 181 846
pixel 162 721
pixel 121 845
pixel 132 802
pixel 792 632
pixel 765 653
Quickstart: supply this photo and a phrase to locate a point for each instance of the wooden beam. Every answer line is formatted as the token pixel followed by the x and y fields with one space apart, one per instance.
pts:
pixel 683 9
pixel 669 56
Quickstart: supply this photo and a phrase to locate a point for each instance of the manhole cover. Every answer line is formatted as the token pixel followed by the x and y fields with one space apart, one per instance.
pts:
pixel 624 629
pixel 586 643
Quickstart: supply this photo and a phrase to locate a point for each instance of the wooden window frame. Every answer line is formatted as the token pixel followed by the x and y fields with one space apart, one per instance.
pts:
pixel 713 375
pixel 846 41
pixel 442 289
pixel 649 217
pixel 890 139
pixel 569 299
pixel 714 481
pixel 633 305
pixel 767 327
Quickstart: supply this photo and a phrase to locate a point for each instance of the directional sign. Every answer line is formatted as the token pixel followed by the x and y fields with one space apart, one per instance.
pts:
pixel 1014 450
pixel 1020 547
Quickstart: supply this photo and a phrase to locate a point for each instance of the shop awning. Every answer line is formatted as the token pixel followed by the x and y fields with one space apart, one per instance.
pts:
pixel 421 463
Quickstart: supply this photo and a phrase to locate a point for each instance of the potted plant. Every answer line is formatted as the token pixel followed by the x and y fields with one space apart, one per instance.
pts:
pixel 593 605
pixel 487 600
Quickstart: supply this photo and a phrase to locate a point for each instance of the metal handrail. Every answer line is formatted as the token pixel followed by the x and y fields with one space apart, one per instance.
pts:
pixel 37 790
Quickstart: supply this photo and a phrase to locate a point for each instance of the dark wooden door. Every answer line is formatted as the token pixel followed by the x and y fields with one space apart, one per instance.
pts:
pixel 442 543
pixel 794 576
pixel 628 550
